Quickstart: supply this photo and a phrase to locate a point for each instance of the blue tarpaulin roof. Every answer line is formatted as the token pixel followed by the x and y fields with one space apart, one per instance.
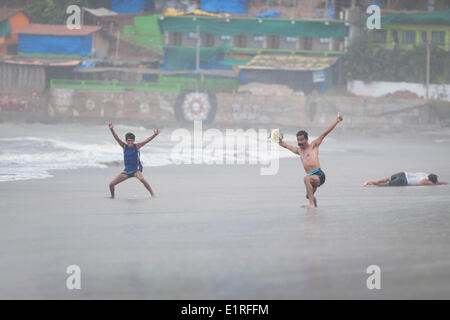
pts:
pixel 269 14
pixel 88 63
pixel 79 45
pixel 229 6
pixel 128 6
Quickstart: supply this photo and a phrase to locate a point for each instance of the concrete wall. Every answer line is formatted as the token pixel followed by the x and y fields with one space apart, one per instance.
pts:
pixel 320 111
pixel 101 45
pixel 380 89
pixel 111 104
pixel 302 9
pixel 245 109
pixel 363 113
pixel 249 109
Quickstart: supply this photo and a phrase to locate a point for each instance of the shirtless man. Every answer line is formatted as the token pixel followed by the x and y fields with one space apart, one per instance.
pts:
pixel 407 179
pixel 309 154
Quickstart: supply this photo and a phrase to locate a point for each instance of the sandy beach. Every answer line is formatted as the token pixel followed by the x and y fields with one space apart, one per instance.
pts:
pixel 226 232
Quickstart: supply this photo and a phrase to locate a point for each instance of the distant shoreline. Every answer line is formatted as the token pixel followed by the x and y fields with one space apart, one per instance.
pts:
pixel 150 124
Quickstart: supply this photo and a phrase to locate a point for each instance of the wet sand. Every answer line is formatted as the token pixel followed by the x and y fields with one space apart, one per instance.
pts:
pixel 226 232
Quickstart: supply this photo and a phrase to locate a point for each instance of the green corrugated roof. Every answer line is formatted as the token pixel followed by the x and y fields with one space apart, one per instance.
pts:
pixel 431 18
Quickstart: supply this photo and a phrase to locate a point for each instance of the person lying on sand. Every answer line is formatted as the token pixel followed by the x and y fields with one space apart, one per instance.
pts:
pixel 309 154
pixel 407 179
pixel 131 158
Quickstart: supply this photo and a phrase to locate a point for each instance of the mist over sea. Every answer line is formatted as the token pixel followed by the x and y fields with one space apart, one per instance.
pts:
pixel 31 151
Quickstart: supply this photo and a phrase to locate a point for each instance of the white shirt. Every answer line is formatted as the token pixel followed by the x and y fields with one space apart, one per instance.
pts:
pixel 414 178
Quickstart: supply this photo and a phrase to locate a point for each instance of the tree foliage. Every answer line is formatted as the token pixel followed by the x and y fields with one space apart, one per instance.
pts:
pixel 46 11
pixel 369 61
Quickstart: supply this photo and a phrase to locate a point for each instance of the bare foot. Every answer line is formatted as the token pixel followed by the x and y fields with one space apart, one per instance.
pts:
pixel 365 184
pixel 315 200
pixel 309 206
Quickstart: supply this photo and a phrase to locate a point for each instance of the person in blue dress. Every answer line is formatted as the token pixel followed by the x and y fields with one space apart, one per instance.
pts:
pixel 131 158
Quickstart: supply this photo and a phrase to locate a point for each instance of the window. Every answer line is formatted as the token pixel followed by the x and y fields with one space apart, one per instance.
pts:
pixel 273 42
pixel 438 37
pixel 324 40
pixel 209 40
pixel 307 43
pixel 291 39
pixel 175 38
pixel 395 36
pixel 258 38
pixel 192 35
pixel 409 37
pixel 225 37
pixel 424 36
pixel 240 41
pixel 379 36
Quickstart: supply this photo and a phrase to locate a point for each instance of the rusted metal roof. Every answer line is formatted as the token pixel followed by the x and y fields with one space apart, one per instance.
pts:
pixel 227 73
pixel 289 62
pixel 42 62
pixel 100 12
pixel 57 30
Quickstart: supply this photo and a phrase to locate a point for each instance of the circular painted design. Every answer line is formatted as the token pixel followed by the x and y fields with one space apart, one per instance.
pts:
pixel 196 106
pixel 144 107
pixel 90 105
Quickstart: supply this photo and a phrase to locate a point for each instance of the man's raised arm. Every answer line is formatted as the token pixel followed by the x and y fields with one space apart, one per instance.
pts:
pixel 143 143
pixel 319 140
pixel 289 147
pixel 120 142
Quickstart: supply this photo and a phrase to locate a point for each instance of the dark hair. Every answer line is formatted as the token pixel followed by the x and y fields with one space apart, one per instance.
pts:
pixel 129 135
pixel 302 133
pixel 433 178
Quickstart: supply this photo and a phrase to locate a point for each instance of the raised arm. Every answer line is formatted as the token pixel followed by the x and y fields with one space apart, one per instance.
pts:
pixel 120 142
pixel 319 140
pixel 143 143
pixel 289 147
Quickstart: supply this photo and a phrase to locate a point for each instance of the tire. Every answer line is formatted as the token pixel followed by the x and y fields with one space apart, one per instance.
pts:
pixel 195 106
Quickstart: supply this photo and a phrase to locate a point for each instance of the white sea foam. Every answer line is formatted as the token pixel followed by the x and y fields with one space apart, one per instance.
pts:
pixel 32 157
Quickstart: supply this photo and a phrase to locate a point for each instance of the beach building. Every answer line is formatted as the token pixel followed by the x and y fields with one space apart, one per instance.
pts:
pixel 257 47
pixel 43 39
pixel 45 52
pixel 132 6
pixel 410 30
pixel 408 35
pixel 33 73
pixel 230 6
